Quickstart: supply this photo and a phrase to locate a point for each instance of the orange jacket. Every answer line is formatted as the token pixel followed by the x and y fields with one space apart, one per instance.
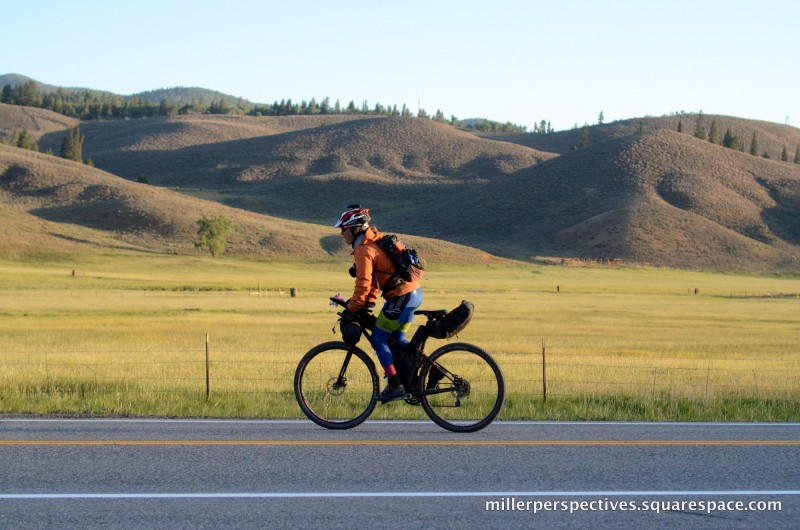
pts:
pixel 374 269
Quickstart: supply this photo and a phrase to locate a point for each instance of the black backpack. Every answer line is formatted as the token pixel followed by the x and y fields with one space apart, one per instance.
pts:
pixel 408 264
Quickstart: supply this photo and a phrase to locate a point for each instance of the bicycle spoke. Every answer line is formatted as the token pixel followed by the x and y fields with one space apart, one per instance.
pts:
pixel 471 391
pixel 335 388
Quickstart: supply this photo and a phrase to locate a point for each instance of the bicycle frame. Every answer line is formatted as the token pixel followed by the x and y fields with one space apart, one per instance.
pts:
pixel 420 353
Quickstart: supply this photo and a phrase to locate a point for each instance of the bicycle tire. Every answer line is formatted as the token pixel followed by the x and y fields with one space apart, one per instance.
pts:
pixel 471 405
pixel 325 402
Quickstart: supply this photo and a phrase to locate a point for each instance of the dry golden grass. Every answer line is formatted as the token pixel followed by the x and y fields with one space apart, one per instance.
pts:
pixel 127 335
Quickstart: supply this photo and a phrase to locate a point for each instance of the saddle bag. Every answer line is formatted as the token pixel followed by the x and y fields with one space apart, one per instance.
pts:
pixel 452 323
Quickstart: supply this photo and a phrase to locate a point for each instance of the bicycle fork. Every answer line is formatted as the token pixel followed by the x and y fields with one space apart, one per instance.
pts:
pixel 341 381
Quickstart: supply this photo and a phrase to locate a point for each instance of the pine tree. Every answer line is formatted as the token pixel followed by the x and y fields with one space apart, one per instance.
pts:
pixel 167 109
pixel 797 154
pixel 680 126
pixel 784 154
pixel 700 127
pixel 754 145
pixel 600 118
pixel 26 94
pixel 712 135
pixel 728 140
pixel 25 141
pixel 72 146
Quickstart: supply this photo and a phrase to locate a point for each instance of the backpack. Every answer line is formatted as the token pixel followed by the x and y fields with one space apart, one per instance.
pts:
pixel 408 264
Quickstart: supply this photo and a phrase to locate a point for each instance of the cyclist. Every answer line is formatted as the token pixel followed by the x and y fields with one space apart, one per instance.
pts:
pixel 374 271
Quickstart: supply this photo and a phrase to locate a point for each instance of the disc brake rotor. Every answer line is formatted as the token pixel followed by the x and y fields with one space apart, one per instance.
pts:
pixel 336 388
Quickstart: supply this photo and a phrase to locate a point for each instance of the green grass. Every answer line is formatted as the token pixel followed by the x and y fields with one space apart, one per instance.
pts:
pixel 126 335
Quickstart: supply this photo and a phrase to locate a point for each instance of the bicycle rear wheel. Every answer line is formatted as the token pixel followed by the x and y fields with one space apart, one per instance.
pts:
pixel 469 384
pixel 334 385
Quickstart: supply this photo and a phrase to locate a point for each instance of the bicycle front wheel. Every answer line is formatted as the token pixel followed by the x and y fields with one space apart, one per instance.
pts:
pixel 467 387
pixel 334 385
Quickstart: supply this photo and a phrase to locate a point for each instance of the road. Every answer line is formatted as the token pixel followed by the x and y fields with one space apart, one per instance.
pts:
pixel 284 474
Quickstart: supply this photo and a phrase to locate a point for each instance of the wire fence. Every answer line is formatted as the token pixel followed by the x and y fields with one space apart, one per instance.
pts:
pixel 537 376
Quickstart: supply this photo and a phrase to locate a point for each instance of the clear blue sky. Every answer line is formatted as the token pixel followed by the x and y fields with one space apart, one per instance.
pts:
pixel 506 60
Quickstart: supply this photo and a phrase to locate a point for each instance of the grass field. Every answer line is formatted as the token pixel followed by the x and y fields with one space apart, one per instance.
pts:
pixel 126 334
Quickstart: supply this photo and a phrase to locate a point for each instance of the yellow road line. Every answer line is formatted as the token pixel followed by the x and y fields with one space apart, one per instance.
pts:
pixel 276 443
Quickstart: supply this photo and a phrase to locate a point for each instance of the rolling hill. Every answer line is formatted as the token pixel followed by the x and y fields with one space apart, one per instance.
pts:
pixel 771 137
pixel 50 205
pixel 176 95
pixel 38 122
pixel 663 197
pixel 282 165
pixel 639 191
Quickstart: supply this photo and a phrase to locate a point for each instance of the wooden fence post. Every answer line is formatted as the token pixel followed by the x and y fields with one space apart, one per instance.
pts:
pixel 208 375
pixel 544 372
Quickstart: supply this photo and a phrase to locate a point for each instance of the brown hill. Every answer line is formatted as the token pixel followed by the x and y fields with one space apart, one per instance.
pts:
pixel 663 197
pixel 639 191
pixel 38 122
pixel 301 145
pixel 48 204
pixel 771 137
pixel 283 166
pixel 104 139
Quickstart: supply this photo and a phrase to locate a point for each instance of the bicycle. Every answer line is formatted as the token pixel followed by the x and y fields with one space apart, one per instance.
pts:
pixel 459 386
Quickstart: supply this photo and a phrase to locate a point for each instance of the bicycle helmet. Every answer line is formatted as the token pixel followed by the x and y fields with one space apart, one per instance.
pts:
pixel 354 217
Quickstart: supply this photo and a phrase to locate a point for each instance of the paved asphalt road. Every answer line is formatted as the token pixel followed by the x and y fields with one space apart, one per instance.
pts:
pixel 287 474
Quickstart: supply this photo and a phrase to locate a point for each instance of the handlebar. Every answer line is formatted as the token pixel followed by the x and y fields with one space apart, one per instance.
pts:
pixel 338 301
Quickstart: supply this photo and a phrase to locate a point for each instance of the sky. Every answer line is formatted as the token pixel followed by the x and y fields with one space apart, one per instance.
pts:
pixel 563 61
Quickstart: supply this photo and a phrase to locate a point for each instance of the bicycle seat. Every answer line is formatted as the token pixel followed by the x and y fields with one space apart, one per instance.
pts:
pixel 439 313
